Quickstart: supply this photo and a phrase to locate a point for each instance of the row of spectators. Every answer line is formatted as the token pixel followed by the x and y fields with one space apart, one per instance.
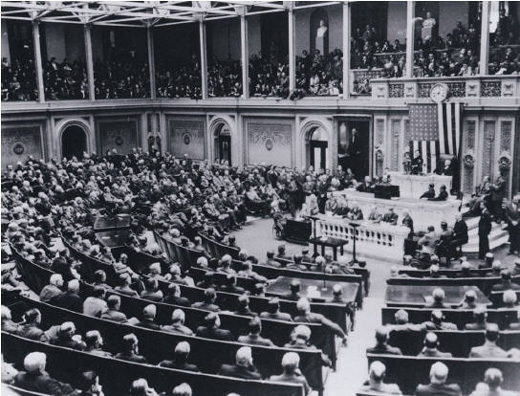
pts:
pixel 224 79
pixel 65 80
pixel 18 81
pixel 268 76
pixel 320 74
pixel 128 78
pixel 179 82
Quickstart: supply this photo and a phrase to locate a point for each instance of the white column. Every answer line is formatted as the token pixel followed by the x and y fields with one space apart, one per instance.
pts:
pixel 292 57
pixel 244 47
pixel 151 61
pixel 346 50
pixel 38 61
pixel 410 37
pixel 484 40
pixel 90 62
pixel 203 60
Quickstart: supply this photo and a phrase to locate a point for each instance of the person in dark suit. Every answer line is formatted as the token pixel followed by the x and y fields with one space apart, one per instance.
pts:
pixel 382 346
pixel 180 358
pixel 431 347
pixel 131 350
pixel 70 299
pixel 430 193
pixel 211 329
pixel 512 216
pixel 390 217
pixel 417 163
pixel 65 337
pixel 291 372
pixel 36 379
pixel 438 386
pixel 243 367
pixel 443 195
pixel 273 311
pixel 366 186
pixel 231 285
pixel 113 313
pixel 174 296
pixel 31 328
pixel 208 304
pixel 243 306
pixel 148 322
pixel 94 344
pixel 460 234
pixel 177 326
pixel 294 293
pixel 506 284
pixel 300 339
pixel 437 300
pixel 375 382
pixel 484 228
pixel 254 338
pixel 480 316
pixel 306 316
pixel 354 154
pixel 498 191
pixel 492 385
pixel 489 349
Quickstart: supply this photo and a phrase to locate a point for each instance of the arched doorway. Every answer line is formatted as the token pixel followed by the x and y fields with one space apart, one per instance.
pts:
pixel 317 148
pixel 223 143
pixel 73 142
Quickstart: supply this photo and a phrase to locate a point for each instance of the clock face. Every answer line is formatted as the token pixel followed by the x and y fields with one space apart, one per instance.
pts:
pixel 439 92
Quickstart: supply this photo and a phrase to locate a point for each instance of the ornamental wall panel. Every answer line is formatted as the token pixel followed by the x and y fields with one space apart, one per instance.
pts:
pixel 186 136
pixel 20 142
pixel 118 134
pixel 269 142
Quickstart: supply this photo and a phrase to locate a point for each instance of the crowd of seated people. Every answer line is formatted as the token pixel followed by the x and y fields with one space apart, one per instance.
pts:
pixel 366 43
pixel 224 79
pixel 183 81
pixel 65 80
pixel 320 74
pixel 124 77
pixel 268 76
pixel 19 80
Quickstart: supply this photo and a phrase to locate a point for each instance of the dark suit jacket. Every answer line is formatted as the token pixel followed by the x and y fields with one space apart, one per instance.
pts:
pixel 42 383
pixel 70 301
pixel 460 231
pixel 385 349
pixel 438 390
pixel 277 316
pixel 229 370
pixel 215 334
pixel 180 366
pixel 131 357
pixel 114 316
pixel 255 340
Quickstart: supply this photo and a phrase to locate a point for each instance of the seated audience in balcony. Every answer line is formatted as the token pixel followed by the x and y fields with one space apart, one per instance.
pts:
pixel 375 382
pixel 182 81
pixel 224 78
pixel 65 80
pixel 269 76
pixel 19 79
pixel 125 78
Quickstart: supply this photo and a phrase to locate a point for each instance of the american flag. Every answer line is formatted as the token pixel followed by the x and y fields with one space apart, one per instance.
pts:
pixel 435 130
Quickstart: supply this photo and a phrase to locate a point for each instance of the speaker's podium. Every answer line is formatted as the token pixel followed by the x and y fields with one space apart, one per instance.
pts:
pixel 386 191
pixel 297 231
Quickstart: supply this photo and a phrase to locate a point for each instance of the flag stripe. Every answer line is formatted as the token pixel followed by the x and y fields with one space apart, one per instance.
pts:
pixel 449 133
pixel 457 129
pixel 440 125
